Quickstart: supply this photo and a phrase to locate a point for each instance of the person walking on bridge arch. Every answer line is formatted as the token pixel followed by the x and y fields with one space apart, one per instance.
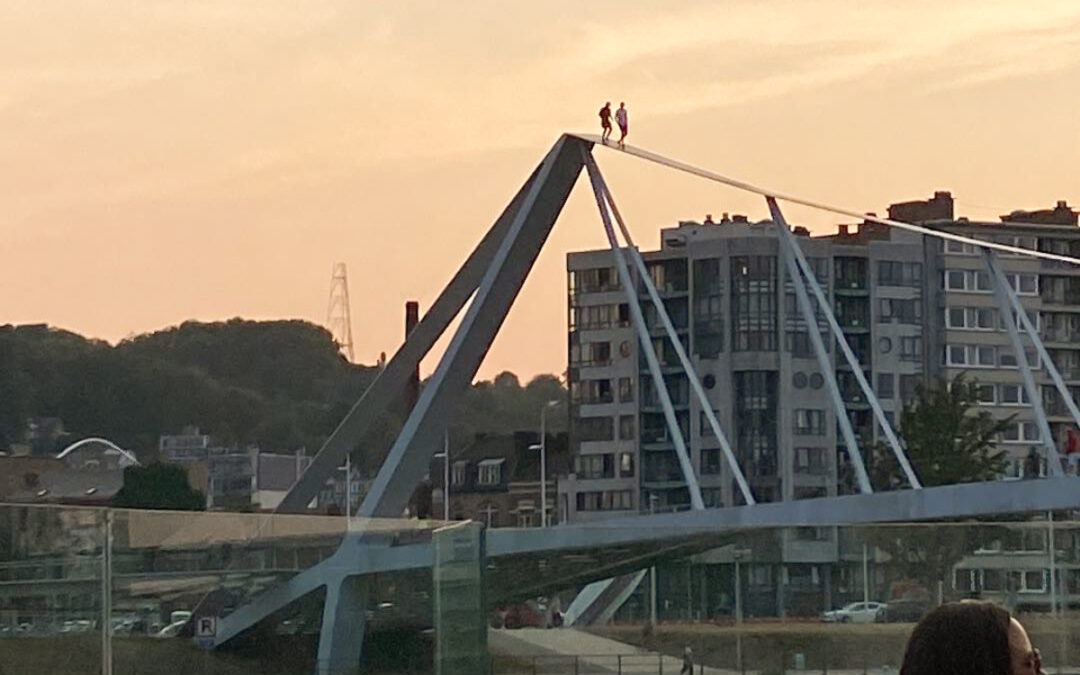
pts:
pixel 605 122
pixel 622 118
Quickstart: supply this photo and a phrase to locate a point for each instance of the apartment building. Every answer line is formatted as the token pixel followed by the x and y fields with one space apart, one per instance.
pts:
pixel 969 333
pixel 236 478
pixel 734 307
pixel 911 307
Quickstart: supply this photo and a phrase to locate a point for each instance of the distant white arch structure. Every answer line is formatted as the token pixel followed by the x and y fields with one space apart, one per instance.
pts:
pixel 124 454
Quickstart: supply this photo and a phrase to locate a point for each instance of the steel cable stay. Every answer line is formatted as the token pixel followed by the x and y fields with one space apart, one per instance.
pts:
pixel 748 187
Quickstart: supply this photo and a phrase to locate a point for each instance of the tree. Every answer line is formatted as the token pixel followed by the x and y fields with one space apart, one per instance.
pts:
pixel 947 441
pixel 158 486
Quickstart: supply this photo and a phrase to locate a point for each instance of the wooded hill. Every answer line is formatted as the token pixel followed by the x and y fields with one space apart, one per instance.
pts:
pixel 281 385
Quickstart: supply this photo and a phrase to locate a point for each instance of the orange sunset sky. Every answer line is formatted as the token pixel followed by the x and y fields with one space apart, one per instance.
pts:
pixel 205 159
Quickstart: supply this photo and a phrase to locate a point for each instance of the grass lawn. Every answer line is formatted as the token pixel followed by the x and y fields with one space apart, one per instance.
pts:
pixel 766 646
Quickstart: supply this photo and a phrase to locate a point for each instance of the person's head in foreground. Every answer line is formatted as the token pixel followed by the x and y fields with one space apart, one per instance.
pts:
pixel 970 638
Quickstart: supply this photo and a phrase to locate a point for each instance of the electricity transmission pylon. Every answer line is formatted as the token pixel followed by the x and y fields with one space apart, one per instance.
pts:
pixel 338 317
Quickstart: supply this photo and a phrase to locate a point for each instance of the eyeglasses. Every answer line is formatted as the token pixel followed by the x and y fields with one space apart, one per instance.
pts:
pixel 1034 662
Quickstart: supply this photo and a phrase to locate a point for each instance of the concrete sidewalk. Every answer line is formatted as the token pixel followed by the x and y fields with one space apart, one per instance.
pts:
pixel 566 650
pixel 539 651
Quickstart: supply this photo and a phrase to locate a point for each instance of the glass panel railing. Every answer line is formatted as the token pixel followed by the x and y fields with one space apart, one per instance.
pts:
pixel 608 596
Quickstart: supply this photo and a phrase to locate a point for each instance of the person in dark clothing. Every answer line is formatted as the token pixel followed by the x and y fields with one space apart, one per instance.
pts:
pixel 605 122
pixel 687 662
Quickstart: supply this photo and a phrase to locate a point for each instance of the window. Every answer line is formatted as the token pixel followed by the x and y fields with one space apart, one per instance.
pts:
pixel 956 280
pixel 1027 581
pixel 986 394
pixel 1014 394
pixel 526 514
pixel 958 247
pixel 971 318
pixel 1035 581
pixel 755 404
pixel 753 303
pixel 895 273
pixel 458 476
pixel 760 575
pixel 984 356
pixel 993 580
pixel 901 311
pixel 669 276
pixel 811 461
pixel 1024 284
pixel 596 280
pixel 1021 432
pixel 712 497
pixel 600 353
pixel 800 345
pixel 606 500
pixel 678 389
pixel 911 348
pixel 852 312
pixel 490 471
pixel 885 385
pixel 966 580
pixel 488 514
pixel 595 429
pixel 909 385
pixel 626 390
pixel 971 281
pixel 595 466
pixel 626 428
pixel 626 464
pixel 708 308
pixel 707 279
pixel 850 273
pixel 591 392
pixel 810 422
pixel 711 461
pixel 955 317
pixel 708 339
pixel 1007 358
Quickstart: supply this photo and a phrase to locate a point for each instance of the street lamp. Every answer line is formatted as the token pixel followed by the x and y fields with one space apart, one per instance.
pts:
pixel 445 454
pixel 738 555
pixel 348 490
pixel 542 447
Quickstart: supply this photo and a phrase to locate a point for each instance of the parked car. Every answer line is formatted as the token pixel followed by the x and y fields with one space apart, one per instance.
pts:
pixel 172 630
pixel 856 612
pixel 906 610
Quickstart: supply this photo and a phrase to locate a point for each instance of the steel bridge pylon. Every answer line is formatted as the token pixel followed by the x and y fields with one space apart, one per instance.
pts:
pixel 491 277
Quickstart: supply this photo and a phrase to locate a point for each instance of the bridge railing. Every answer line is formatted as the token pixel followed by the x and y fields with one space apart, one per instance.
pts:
pixel 746 599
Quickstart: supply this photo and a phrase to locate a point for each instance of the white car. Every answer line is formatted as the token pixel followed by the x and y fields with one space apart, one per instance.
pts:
pixel 172 630
pixel 856 612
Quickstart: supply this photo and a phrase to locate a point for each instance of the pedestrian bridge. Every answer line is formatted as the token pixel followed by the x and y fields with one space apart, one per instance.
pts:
pixel 524 563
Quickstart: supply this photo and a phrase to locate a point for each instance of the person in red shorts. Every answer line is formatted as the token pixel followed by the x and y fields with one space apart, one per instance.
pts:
pixel 605 122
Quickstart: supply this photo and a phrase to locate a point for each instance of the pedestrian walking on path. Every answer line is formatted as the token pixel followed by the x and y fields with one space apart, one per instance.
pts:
pixel 622 118
pixel 605 122
pixel 688 654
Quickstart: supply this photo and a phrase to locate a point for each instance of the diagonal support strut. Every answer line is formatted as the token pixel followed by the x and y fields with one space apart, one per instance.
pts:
pixel 676 343
pixel 689 475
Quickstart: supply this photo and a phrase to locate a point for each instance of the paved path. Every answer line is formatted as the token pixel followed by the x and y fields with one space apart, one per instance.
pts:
pixel 565 650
